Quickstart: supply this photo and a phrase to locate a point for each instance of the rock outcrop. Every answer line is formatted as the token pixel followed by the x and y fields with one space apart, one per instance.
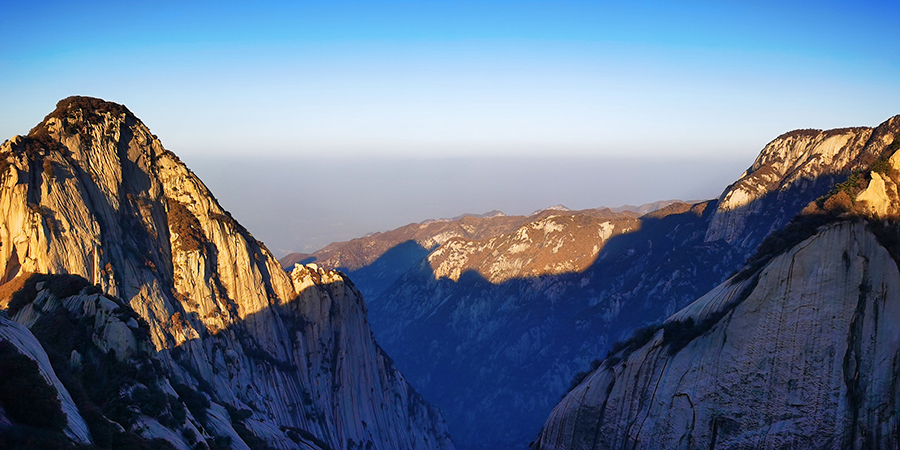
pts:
pixel 802 355
pixel 798 350
pixel 26 344
pixel 91 192
pixel 811 161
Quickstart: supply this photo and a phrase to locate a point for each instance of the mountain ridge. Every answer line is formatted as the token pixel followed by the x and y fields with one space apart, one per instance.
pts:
pixel 324 256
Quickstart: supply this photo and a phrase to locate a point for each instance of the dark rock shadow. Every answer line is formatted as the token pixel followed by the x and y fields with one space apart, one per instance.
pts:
pixel 497 357
pixel 374 278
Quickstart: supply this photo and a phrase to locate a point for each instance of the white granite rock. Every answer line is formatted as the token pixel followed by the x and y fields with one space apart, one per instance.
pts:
pixel 804 357
pixel 95 194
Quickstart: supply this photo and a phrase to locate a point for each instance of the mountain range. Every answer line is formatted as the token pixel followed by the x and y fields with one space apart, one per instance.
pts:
pixel 499 315
pixel 135 312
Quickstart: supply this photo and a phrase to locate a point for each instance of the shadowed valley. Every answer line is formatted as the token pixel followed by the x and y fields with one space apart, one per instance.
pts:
pixel 482 333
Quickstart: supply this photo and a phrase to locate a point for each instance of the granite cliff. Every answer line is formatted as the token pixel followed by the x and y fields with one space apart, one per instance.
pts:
pixel 799 161
pixel 160 279
pixel 799 349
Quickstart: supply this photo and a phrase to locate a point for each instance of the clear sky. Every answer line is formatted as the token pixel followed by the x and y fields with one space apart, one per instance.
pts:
pixel 430 80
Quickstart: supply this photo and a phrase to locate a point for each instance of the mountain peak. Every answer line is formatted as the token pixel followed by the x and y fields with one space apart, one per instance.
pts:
pixel 71 110
pixel 91 195
pixel 561 208
pixel 805 160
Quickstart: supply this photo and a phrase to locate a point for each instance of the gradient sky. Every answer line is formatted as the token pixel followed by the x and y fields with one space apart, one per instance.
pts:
pixel 426 81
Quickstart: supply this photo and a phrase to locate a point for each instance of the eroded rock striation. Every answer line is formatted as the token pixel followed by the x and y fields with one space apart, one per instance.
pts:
pixel 284 360
pixel 803 355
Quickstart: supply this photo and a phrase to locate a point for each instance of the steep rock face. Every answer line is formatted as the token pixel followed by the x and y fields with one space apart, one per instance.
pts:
pixel 801 355
pixel 804 160
pixel 28 345
pixel 91 192
pixel 881 197
pixel 799 349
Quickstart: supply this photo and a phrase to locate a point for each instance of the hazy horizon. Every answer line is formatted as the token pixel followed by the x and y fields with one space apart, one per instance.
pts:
pixel 524 101
pixel 302 205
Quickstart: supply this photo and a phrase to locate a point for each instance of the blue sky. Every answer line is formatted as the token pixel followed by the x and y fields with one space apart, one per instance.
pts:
pixel 446 79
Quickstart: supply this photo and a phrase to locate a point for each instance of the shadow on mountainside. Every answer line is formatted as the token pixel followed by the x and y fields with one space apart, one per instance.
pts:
pixel 373 279
pixel 817 269
pixel 497 357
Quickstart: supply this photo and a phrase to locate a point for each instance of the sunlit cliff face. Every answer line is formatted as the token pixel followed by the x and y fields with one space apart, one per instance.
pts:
pixel 91 192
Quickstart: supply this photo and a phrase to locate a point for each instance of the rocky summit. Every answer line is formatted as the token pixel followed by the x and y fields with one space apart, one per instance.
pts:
pixel 144 316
